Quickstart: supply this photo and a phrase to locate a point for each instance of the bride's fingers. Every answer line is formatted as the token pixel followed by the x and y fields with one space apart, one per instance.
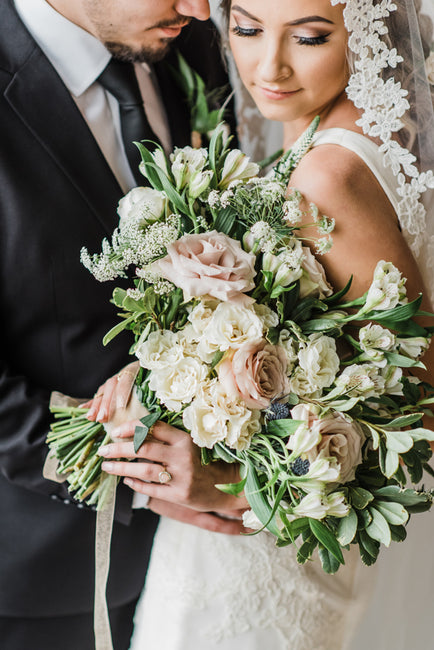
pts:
pixel 106 405
pixel 207 520
pixel 125 384
pixel 154 451
pixel 142 472
pixel 159 431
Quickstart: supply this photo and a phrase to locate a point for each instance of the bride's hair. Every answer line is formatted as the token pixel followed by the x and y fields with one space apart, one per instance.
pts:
pixel 408 73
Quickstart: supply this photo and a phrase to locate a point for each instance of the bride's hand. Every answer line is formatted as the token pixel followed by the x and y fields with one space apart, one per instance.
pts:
pixel 207 520
pixel 113 394
pixel 175 473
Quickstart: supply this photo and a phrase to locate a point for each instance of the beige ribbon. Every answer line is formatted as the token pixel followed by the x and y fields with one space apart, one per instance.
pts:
pixel 104 518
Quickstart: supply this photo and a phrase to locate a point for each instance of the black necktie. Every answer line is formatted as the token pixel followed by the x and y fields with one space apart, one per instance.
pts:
pixel 120 80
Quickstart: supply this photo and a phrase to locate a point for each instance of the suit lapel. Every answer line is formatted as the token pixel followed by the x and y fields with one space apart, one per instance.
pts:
pixel 54 119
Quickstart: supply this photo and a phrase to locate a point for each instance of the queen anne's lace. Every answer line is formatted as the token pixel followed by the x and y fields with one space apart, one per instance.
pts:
pixel 383 105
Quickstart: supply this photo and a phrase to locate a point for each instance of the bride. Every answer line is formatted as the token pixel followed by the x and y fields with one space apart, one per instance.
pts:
pixel 300 59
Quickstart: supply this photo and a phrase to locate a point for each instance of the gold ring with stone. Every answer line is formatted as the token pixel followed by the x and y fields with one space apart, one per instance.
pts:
pixel 164 476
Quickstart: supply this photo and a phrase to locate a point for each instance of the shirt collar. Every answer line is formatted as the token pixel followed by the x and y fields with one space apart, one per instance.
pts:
pixel 77 56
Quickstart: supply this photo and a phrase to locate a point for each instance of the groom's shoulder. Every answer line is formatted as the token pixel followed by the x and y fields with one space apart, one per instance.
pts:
pixel 16 43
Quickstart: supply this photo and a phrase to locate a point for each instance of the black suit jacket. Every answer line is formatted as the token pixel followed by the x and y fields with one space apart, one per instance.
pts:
pixel 57 194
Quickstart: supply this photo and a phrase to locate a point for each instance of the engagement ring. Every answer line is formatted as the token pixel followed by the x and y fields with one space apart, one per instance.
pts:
pixel 164 476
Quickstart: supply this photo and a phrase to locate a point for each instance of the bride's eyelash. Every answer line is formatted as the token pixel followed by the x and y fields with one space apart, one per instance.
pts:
pixel 244 31
pixel 313 40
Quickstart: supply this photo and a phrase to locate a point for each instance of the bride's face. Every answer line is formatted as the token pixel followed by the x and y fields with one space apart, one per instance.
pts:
pixel 291 55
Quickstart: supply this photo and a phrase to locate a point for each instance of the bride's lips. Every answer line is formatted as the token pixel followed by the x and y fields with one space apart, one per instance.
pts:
pixel 277 94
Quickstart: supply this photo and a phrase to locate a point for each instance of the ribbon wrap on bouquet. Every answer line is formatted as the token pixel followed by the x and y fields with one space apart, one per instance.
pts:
pixel 104 518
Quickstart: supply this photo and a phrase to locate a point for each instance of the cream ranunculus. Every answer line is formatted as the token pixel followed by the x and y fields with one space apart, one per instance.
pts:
pixel 141 204
pixel 209 263
pixel 178 384
pixel 313 281
pixel 256 372
pixel 213 416
pixel 319 360
pixel 201 314
pixel 160 349
pixel 231 326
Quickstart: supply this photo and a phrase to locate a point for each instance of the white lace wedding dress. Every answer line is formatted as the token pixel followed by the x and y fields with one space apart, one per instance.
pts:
pixel 207 591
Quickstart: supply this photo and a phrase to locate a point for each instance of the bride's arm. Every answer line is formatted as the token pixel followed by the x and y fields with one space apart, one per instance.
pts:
pixel 366 230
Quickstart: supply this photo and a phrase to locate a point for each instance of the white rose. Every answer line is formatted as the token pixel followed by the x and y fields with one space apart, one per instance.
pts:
pixel 160 349
pixel 141 204
pixel 178 384
pixel 231 325
pixel 429 66
pixel 319 360
pixel 313 282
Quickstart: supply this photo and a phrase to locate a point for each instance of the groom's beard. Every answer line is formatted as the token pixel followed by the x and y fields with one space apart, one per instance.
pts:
pixel 123 52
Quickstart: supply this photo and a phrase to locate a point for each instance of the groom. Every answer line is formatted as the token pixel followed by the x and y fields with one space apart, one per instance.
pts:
pixel 63 168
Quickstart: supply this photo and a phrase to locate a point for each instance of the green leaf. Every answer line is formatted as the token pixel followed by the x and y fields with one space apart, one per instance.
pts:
pixel 379 528
pixel 258 501
pixel 369 548
pixel 336 297
pixel 225 220
pixel 327 539
pixel 218 356
pixel 347 528
pixel 398 533
pixel 401 361
pixel 360 497
pixel 283 427
pixel 394 513
pixel 406 496
pixel 306 549
pixel 391 463
pixel 329 563
pixel 232 488
pixel 140 433
pixel 398 441
pixel 397 314
pixel 117 329
pixel 403 421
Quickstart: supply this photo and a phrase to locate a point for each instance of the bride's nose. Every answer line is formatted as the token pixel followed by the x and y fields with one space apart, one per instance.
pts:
pixel 274 64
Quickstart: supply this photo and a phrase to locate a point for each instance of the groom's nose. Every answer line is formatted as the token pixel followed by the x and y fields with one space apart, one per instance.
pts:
pixel 193 8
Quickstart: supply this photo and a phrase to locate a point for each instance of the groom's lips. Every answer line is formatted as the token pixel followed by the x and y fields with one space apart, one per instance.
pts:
pixel 173 32
pixel 277 94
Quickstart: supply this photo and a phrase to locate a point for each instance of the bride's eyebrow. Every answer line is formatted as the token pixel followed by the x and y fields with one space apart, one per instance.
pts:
pixel 298 21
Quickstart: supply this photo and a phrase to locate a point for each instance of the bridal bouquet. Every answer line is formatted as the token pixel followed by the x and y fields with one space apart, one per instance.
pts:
pixel 243 343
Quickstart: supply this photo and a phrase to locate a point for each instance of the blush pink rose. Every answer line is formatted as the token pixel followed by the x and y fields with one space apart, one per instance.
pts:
pixel 209 263
pixel 256 372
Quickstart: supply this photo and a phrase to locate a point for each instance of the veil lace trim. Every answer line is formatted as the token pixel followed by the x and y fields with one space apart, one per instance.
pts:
pixel 383 104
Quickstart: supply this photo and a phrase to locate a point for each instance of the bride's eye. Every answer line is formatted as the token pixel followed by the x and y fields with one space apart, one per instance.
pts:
pixel 312 40
pixel 244 31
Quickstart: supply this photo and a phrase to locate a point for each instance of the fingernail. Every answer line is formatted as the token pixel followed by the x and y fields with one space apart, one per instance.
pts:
pixel 103 451
pixel 91 414
pixel 107 467
pixel 116 432
pixel 102 414
pixel 129 482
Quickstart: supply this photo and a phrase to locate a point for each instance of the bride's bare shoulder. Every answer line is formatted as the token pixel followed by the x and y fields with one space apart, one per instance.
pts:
pixel 332 177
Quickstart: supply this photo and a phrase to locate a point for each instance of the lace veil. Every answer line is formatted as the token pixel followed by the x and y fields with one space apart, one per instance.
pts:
pixel 391 55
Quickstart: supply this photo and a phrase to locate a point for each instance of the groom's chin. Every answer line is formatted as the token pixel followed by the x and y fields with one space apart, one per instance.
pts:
pixel 147 54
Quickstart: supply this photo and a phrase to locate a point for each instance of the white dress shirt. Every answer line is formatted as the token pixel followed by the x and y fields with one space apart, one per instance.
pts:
pixel 79 58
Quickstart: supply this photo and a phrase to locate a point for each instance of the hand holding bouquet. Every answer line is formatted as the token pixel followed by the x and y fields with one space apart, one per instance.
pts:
pixel 243 343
